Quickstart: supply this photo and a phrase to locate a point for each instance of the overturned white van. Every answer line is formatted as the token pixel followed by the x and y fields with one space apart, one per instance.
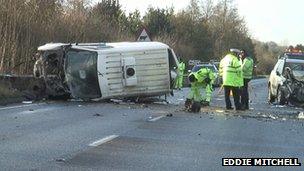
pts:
pixel 108 70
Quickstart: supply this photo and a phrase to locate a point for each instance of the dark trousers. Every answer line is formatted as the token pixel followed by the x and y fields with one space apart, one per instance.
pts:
pixel 245 95
pixel 236 97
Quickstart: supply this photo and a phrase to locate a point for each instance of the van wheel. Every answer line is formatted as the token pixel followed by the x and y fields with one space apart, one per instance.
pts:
pixel 281 97
pixel 271 97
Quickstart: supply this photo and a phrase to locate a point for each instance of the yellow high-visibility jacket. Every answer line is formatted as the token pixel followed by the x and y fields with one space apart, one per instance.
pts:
pixel 231 71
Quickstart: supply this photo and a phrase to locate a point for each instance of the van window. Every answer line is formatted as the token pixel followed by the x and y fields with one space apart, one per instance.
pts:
pixel 81 74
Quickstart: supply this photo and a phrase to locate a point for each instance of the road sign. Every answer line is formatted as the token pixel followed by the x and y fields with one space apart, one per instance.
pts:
pixel 144 36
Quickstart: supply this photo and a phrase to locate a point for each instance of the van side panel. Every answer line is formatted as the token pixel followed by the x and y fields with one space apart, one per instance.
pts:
pixel 151 71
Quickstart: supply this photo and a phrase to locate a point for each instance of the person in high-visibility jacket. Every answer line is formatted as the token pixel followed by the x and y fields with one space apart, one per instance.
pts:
pixel 180 75
pixel 199 80
pixel 231 72
pixel 247 68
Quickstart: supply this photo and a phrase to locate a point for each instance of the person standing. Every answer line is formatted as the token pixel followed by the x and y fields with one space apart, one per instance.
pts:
pixel 180 75
pixel 231 72
pixel 247 68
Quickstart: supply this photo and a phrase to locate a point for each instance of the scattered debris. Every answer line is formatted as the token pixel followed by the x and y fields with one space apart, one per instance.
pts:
pixel 220 111
pixel 283 119
pixel 97 114
pixel 124 114
pixel 27 102
pixel 79 105
pixel 31 110
pixel 199 134
pixel 162 103
pixel 169 115
pixel 144 106
pixel 272 117
pixel 15 117
pixel 301 115
pixel 76 100
pixel 60 160
pixel 116 101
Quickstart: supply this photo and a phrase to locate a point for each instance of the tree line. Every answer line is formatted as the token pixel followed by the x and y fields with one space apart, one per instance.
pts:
pixel 203 30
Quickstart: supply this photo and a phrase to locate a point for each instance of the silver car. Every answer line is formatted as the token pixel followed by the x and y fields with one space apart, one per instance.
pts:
pixel 286 79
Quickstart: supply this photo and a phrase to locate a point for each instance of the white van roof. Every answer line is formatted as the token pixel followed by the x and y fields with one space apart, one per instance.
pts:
pixel 118 46
pixel 51 46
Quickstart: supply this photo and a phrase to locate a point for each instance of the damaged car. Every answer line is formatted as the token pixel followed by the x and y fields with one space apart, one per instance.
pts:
pixel 96 71
pixel 286 81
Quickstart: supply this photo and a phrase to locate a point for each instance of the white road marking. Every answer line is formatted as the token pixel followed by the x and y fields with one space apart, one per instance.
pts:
pixel 15 107
pixel 157 118
pixel 103 140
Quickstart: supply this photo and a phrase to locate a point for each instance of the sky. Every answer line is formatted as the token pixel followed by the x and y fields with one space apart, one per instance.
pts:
pixel 281 21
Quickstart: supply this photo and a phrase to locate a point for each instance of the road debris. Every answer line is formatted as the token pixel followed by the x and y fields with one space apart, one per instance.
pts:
pixel 27 102
pixel 97 114
pixel 144 106
pixel 31 110
pixel 220 111
pixel 169 115
pixel 272 117
pixel 75 100
pixel 60 160
pixel 301 115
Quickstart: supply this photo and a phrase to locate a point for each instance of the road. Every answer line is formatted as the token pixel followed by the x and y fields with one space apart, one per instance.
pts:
pixel 147 136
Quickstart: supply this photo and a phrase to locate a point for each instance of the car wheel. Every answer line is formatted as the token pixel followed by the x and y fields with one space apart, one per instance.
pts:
pixel 281 97
pixel 271 97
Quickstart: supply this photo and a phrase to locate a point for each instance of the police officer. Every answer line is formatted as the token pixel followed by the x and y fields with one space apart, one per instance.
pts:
pixel 247 68
pixel 203 78
pixel 180 75
pixel 231 72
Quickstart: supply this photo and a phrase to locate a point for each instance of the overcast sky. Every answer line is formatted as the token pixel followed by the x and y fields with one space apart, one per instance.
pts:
pixel 281 21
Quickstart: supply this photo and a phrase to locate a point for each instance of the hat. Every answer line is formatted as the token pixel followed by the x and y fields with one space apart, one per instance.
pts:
pixel 235 50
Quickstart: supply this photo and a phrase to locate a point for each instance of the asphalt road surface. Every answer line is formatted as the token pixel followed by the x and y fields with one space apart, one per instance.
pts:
pixel 148 135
